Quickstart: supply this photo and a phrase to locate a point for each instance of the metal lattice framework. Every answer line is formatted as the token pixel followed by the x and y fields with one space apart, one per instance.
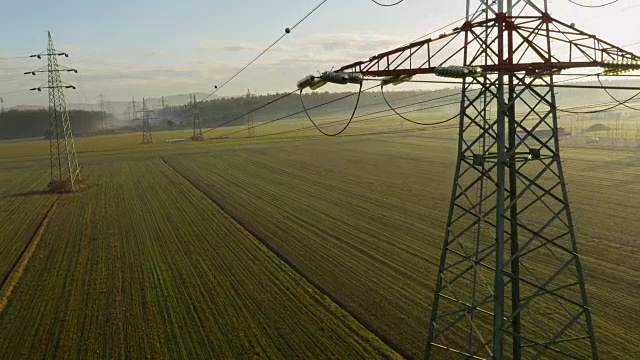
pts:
pixel 197 127
pixel 251 128
pixel 510 282
pixel 147 138
pixel 103 110
pixel 64 167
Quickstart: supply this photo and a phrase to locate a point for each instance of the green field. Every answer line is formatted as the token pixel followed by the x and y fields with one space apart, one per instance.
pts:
pixel 283 246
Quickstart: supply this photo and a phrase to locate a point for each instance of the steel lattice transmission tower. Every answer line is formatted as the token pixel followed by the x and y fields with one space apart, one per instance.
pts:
pixel 510 282
pixel 146 124
pixel 197 127
pixel 102 110
pixel 145 118
pixel 251 129
pixel 65 172
pixel 163 110
pixel 132 109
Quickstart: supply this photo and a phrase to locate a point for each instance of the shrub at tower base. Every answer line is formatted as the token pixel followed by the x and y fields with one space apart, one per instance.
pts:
pixel 64 186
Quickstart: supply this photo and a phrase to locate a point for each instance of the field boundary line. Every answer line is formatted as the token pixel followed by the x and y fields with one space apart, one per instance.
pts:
pixel 340 304
pixel 13 276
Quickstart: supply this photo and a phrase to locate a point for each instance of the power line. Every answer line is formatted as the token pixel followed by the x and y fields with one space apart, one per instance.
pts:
pixel 287 31
pixel 405 112
pixel 571 110
pixel 311 127
pixel 349 95
pixel 250 112
pixel 14 57
pixel 399 131
pixel 355 108
pixel 14 93
pixel 398 107
pixel 364 117
pixel 404 118
pixel 355 117
pixel 591 106
pixel 332 112
pixel 332 101
pixel 370 105
pixel 632 44
pixel 305 17
pixel 278 99
pixel 443 27
pixel 392 109
pixel 311 137
pixel 387 5
pixel 615 105
pixel 299 112
pixel 616 100
pixel 593 6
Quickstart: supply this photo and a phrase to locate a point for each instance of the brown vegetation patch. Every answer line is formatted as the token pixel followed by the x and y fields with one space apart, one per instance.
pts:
pixel 65 186
pixel 597 127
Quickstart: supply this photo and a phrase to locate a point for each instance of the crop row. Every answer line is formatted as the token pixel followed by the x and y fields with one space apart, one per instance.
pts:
pixel 364 218
pixel 144 265
pixel 22 207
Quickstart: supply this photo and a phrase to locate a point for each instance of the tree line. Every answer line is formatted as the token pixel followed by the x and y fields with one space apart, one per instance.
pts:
pixel 220 111
pixel 214 112
pixel 15 124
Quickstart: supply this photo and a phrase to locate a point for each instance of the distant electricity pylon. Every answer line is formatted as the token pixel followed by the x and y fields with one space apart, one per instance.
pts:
pixel 163 110
pixel 65 172
pixel 102 110
pixel 197 127
pixel 132 108
pixel 510 283
pixel 251 129
pixel 146 124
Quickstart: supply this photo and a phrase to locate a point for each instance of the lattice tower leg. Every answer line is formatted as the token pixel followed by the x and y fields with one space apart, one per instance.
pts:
pixel 510 282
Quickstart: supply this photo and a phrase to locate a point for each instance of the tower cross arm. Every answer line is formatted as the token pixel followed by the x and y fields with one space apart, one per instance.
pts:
pixel 571 48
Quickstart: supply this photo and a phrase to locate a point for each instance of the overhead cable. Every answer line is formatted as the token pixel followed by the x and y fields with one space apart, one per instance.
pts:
pixel 593 6
pixel 301 111
pixel 387 5
pixel 250 112
pixel 616 100
pixel 287 31
pixel 405 118
pixel 355 117
pixel 355 108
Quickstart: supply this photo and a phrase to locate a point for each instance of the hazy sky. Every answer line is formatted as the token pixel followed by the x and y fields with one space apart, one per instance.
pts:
pixel 149 48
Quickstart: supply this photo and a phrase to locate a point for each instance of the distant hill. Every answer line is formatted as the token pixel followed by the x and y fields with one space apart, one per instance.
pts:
pixel 597 127
pixel 216 110
pixel 119 107
pixel 28 107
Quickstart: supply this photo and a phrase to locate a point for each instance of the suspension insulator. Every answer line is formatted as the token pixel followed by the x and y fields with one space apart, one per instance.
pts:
pixel 396 80
pixel 542 72
pixel 458 72
pixel 317 83
pixel 305 82
pixel 341 77
pixel 619 67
